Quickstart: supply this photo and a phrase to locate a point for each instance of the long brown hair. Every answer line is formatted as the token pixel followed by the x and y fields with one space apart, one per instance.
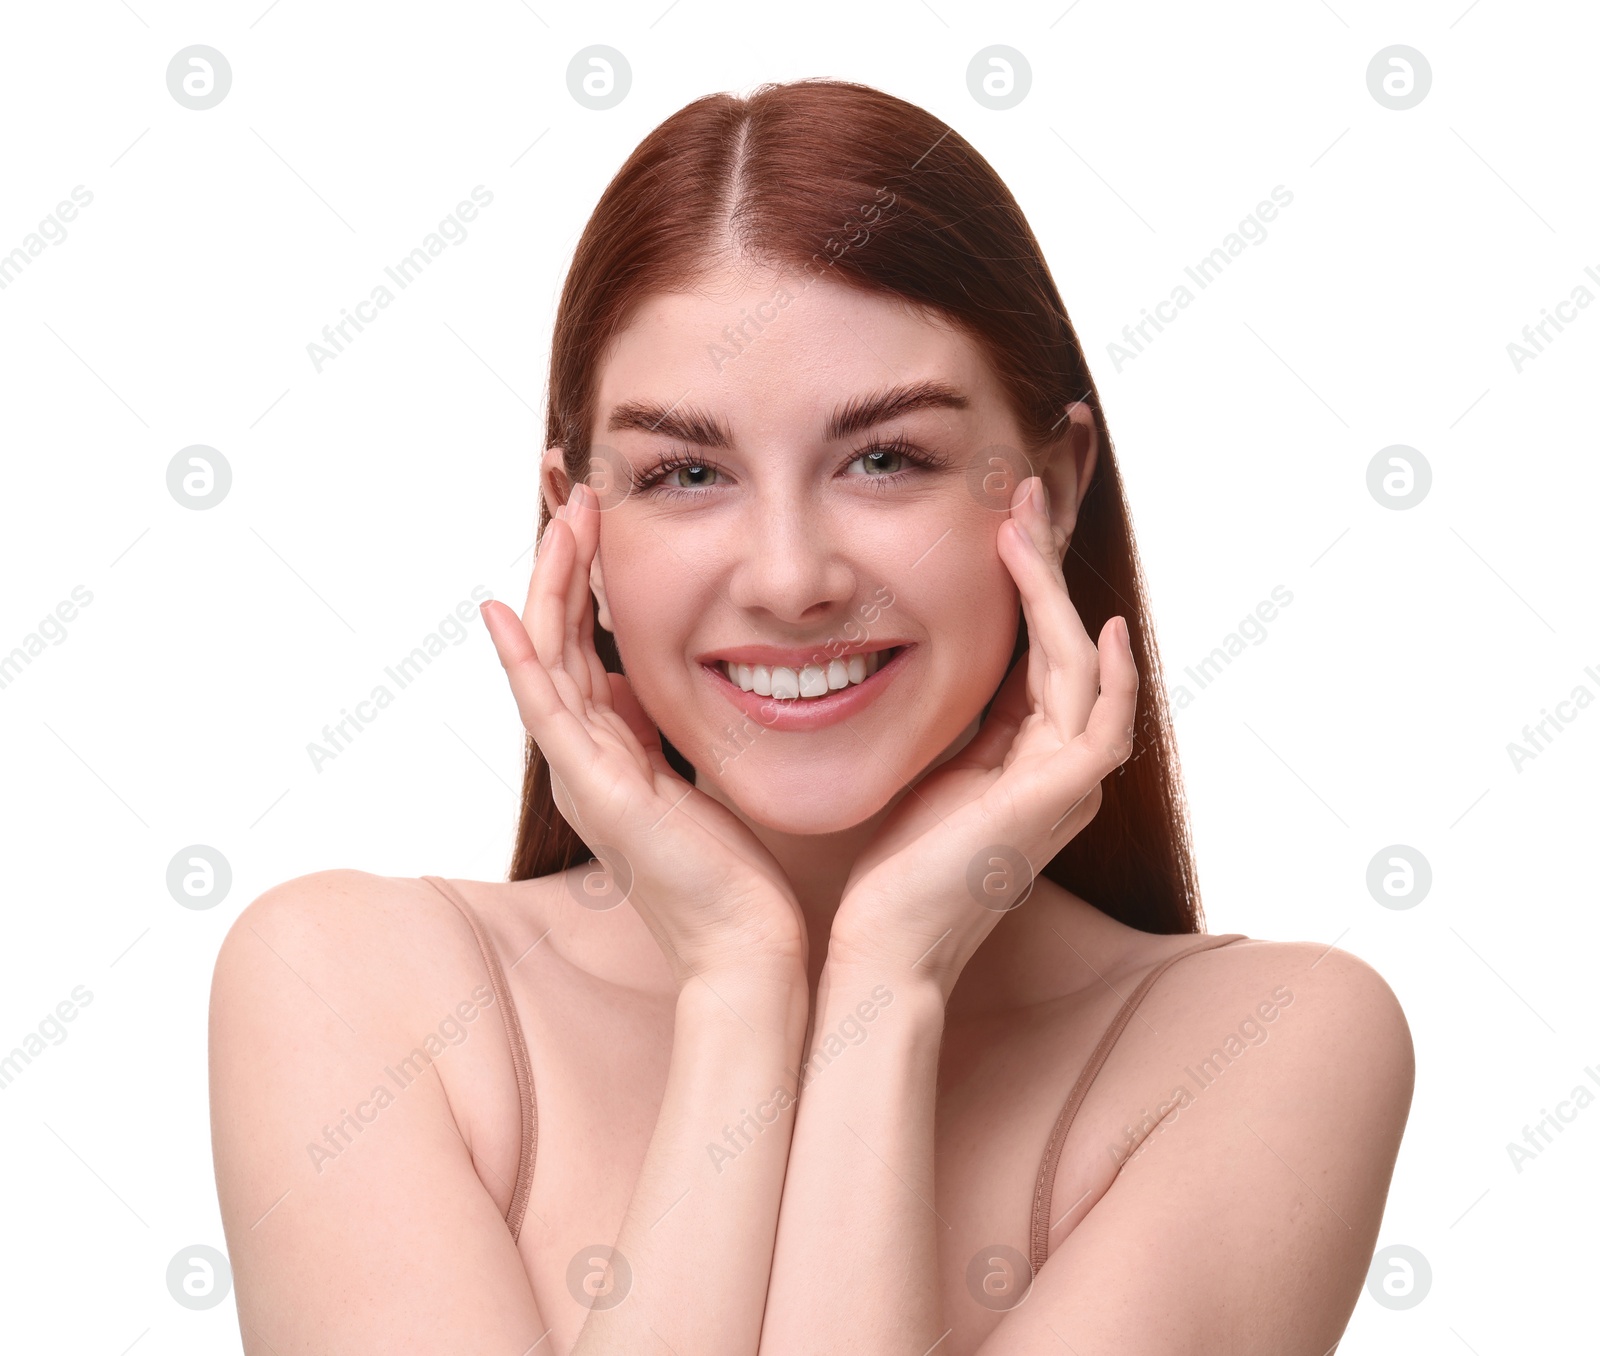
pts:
pixel 840 179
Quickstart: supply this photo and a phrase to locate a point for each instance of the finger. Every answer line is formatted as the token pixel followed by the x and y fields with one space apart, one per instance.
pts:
pixel 577 609
pixel 545 713
pixel 583 517
pixel 1053 797
pixel 1063 664
pixel 1108 733
pixel 550 621
pixel 1070 778
pixel 545 615
pixel 1106 741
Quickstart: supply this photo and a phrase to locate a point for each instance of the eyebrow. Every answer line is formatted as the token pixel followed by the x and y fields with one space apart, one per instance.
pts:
pixel 690 425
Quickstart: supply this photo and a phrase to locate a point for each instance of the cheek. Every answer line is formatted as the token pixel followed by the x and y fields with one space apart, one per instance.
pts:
pixel 969 610
pixel 651 611
pixel 976 583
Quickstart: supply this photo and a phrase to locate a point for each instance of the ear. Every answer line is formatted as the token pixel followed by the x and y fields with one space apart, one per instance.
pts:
pixel 556 485
pixel 1068 471
pixel 597 586
pixel 554 482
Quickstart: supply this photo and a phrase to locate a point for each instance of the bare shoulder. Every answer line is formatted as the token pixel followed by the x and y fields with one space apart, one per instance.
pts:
pixel 1278 1017
pixel 1341 1005
pixel 380 963
pixel 337 1002
pixel 360 921
pixel 1265 1019
pixel 342 973
pixel 389 941
pixel 1255 1107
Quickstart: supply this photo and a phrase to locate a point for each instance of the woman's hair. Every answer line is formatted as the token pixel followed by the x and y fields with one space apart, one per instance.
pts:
pixel 831 178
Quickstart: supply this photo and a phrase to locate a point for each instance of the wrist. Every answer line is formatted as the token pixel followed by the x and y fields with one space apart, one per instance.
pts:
pixel 851 979
pixel 920 975
pixel 896 1016
pixel 755 961
pixel 765 994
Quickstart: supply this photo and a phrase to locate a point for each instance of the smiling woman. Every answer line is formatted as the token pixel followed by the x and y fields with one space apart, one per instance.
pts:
pixel 852 844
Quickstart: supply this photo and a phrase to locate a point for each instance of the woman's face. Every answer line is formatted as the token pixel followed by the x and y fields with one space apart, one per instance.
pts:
pixel 745 516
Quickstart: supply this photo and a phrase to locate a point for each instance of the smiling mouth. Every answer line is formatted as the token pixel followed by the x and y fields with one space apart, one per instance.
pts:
pixel 807 682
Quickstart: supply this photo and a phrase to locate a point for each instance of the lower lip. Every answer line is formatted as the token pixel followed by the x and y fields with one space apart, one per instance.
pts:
pixel 809 713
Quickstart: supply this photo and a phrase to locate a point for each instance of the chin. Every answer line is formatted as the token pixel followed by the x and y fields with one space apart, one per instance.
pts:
pixel 795 801
pixel 823 818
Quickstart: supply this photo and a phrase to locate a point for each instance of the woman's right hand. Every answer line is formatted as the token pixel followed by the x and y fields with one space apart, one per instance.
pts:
pixel 710 892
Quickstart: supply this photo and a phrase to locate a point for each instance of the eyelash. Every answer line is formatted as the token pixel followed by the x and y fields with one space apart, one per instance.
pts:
pixel 677 461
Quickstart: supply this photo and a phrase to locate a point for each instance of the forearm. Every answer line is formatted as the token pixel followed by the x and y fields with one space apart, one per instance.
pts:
pixel 699 1231
pixel 855 1268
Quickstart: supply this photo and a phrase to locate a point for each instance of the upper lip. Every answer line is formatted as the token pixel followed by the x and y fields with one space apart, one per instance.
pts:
pixel 776 656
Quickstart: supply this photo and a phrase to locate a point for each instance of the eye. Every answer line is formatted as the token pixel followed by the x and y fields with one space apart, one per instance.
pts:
pixel 882 454
pixel 677 461
pixel 884 459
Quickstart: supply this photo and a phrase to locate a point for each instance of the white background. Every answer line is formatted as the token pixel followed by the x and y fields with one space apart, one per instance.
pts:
pixel 369 499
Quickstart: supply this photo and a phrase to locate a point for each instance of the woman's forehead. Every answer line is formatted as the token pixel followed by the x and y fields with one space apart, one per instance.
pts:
pixel 746 359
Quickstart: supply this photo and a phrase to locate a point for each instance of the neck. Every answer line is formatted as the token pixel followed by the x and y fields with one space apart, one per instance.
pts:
pixel 818 864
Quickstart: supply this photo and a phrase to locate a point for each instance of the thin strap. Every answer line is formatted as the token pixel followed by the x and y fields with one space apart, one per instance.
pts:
pixel 1039 1243
pixel 519 1056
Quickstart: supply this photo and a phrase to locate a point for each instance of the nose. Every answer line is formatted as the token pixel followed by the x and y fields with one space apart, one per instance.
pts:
pixel 791 559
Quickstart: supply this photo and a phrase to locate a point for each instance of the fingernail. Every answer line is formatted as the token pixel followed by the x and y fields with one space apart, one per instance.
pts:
pixel 1038 495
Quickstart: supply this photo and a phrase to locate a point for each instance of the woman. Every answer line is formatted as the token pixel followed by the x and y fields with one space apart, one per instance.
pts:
pixel 849 991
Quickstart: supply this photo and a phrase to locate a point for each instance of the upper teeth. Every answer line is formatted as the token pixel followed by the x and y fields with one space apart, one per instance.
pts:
pixel 811 680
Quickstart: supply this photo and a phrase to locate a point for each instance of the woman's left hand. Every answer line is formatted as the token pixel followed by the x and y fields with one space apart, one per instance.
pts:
pixel 965 843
